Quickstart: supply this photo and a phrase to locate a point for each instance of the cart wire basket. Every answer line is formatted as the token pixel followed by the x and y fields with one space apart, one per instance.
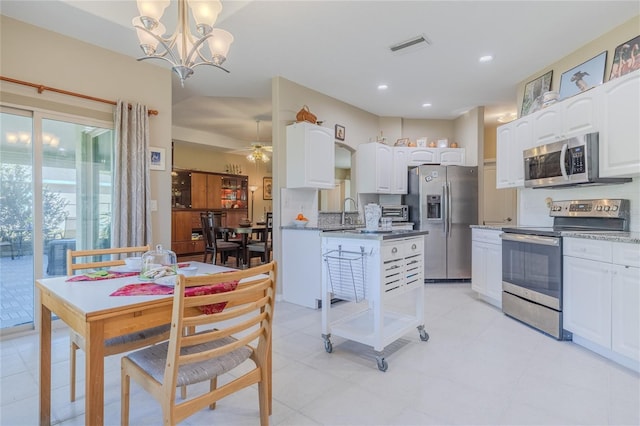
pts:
pixel 346 273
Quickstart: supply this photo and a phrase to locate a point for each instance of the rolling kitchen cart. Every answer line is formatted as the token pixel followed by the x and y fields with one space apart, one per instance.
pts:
pixel 382 281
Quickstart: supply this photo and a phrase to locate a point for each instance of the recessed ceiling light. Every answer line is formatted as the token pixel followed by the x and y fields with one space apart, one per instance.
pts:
pixel 486 58
pixel 383 87
pixel 425 105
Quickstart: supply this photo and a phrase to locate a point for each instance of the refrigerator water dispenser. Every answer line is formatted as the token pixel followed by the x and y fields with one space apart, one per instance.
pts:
pixel 434 207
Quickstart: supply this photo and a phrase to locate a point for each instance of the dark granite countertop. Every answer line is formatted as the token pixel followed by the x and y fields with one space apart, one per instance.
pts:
pixel 379 235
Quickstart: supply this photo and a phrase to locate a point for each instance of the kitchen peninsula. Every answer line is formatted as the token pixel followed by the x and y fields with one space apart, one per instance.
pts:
pixel 302 262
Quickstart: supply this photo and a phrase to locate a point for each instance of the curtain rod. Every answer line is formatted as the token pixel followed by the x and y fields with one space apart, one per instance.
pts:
pixel 41 88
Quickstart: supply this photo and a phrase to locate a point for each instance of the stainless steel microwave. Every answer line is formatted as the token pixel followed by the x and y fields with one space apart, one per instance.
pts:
pixel 568 162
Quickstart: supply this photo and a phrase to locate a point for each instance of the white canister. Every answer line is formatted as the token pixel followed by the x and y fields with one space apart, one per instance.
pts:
pixel 372 214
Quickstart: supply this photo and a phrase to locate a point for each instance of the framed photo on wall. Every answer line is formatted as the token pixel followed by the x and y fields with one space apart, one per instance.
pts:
pixel 533 91
pixel 156 158
pixel 626 58
pixel 267 185
pixel 339 132
pixel 585 76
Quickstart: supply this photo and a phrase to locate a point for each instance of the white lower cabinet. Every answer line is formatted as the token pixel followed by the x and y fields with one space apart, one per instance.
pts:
pixel 601 297
pixel 486 264
pixel 587 299
pixel 625 311
pixel 302 267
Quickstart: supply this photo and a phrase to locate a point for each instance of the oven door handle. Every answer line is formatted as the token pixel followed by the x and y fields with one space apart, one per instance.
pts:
pixel 531 239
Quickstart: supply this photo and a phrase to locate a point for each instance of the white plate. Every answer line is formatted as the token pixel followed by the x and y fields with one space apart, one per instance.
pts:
pixel 123 268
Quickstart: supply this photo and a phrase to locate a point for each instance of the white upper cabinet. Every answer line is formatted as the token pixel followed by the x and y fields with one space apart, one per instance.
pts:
pixel 417 156
pixel 451 156
pixel 400 178
pixel 509 160
pixel 310 156
pixel 374 168
pixel 620 128
pixel 611 109
pixel 570 117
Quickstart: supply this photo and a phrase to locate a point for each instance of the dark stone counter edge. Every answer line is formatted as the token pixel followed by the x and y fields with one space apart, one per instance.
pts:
pixel 374 236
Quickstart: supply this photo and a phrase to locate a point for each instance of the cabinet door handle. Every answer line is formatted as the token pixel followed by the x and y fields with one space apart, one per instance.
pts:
pixel 394 250
pixel 414 246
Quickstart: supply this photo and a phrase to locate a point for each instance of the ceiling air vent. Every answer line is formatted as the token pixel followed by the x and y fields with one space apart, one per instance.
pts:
pixel 418 40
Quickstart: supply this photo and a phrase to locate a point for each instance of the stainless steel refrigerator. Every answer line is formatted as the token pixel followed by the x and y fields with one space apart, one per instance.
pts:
pixel 444 201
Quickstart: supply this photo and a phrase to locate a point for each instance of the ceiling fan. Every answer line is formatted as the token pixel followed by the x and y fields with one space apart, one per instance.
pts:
pixel 258 149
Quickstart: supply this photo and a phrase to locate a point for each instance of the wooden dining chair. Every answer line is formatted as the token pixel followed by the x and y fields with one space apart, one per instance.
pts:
pixel 233 315
pixel 85 259
pixel 264 246
pixel 215 245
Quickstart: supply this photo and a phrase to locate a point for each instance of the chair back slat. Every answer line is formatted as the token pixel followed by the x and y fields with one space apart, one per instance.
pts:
pixel 73 255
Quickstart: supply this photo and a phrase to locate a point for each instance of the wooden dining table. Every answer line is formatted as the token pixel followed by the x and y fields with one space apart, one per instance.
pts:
pixel 244 232
pixel 88 308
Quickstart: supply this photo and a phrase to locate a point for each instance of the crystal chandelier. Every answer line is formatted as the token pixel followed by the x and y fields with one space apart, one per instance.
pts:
pixel 183 50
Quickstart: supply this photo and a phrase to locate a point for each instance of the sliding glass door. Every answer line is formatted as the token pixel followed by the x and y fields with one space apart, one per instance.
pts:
pixel 57 174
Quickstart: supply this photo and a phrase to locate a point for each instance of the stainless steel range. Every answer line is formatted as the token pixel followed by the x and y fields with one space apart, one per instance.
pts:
pixel 532 260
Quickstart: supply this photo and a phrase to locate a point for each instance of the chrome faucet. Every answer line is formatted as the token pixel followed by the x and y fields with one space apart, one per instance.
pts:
pixel 344 210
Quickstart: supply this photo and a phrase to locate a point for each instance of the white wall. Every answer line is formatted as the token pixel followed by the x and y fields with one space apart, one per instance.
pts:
pixel 39 56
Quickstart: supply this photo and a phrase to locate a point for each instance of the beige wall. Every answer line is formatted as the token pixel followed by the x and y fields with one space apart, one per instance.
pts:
pixel 490 132
pixel 468 133
pixel 39 56
pixel 608 41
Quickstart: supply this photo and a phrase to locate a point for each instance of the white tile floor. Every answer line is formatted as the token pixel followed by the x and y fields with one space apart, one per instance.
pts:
pixel 479 367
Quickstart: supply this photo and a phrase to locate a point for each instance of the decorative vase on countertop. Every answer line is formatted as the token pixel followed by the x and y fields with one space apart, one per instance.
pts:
pixel 372 214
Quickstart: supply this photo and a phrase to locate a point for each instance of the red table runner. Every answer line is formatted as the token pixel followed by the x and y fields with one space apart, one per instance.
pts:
pixel 147 289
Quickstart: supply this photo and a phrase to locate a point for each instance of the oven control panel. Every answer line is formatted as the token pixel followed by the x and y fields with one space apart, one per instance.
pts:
pixel 617 208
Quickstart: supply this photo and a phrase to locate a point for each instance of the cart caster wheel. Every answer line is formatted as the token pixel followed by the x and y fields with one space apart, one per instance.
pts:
pixel 423 334
pixel 382 364
pixel 328 346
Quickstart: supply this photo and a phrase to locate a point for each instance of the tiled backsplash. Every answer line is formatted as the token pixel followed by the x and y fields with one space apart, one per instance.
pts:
pixel 327 219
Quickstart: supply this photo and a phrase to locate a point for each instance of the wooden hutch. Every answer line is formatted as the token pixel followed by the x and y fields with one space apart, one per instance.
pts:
pixel 194 192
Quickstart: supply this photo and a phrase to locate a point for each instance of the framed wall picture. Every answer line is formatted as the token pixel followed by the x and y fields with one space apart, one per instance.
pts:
pixel 583 77
pixel 339 132
pixel 157 158
pixel 267 185
pixel 626 58
pixel 533 91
